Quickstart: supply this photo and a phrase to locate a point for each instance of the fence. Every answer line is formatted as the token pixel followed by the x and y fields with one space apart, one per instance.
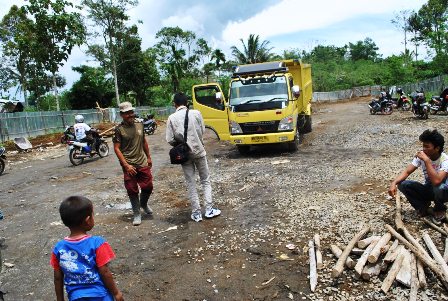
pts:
pixel 434 85
pixel 32 124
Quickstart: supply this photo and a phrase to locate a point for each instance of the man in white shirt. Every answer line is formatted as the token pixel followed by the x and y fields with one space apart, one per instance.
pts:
pixel 197 155
pixel 434 164
pixel 80 128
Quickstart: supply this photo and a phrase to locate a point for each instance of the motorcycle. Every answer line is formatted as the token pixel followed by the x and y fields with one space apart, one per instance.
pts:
pixel 420 106
pixel 383 105
pixel 439 103
pixel 403 102
pixel 149 125
pixel 78 151
pixel 69 134
pixel 2 160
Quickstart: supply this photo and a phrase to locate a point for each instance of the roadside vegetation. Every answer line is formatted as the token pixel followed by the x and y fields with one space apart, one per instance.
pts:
pixel 31 59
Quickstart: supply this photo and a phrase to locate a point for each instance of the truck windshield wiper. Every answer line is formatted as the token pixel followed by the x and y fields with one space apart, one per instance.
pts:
pixel 248 101
pixel 275 98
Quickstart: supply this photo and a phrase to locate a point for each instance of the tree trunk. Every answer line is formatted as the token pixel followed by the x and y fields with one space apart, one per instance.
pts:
pixel 55 88
pixel 114 66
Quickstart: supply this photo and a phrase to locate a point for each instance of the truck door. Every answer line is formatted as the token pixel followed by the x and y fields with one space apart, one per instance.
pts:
pixel 214 113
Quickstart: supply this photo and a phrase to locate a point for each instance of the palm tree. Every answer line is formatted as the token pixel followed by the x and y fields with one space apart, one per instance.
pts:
pixel 253 52
pixel 219 58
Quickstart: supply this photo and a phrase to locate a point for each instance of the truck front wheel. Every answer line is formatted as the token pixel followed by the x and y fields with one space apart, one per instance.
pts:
pixel 293 146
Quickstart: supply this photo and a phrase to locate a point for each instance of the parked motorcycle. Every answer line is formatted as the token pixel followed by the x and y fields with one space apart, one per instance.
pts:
pixel 403 102
pixel 383 105
pixel 69 134
pixel 2 160
pixel 420 107
pixel 78 151
pixel 149 124
pixel 439 103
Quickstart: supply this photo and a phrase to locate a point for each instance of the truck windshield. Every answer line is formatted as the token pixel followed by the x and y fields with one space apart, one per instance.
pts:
pixel 258 90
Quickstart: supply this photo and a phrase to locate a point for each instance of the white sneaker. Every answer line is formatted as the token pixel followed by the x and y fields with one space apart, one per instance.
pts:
pixel 137 220
pixel 196 216
pixel 212 212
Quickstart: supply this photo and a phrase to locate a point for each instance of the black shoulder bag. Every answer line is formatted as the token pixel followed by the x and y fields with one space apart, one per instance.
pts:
pixel 179 153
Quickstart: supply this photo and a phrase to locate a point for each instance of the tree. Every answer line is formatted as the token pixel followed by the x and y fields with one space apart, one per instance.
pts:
pixel 136 71
pixel 16 35
pixel 363 50
pixel 253 51
pixel 93 86
pixel 415 28
pixel 219 58
pixel 433 20
pixel 56 31
pixel 175 54
pixel 401 21
pixel 109 17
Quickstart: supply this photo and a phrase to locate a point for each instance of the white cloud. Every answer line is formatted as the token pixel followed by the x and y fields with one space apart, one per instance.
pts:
pixel 291 16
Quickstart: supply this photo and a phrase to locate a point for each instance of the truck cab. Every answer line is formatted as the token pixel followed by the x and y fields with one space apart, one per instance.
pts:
pixel 267 103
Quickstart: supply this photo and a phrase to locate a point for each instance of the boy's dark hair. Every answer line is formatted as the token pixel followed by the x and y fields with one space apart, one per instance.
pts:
pixel 433 137
pixel 180 99
pixel 74 210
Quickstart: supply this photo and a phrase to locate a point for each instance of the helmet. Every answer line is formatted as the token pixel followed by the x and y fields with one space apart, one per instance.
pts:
pixel 79 118
pixel 383 94
pixel 399 90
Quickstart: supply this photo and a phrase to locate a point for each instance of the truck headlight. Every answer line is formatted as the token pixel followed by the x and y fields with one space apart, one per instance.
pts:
pixel 286 124
pixel 235 128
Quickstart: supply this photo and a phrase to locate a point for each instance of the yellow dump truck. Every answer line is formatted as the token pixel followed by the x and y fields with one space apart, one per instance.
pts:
pixel 268 103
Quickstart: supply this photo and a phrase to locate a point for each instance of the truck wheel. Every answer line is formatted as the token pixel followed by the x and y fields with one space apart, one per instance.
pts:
pixel 304 124
pixel 243 149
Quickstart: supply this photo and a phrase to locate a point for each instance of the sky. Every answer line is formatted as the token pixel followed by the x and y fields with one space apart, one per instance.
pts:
pixel 286 24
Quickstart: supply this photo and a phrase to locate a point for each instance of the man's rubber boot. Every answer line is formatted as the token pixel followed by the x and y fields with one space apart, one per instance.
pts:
pixel 144 197
pixel 136 209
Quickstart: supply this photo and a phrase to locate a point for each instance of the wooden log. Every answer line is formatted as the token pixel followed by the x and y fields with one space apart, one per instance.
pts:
pixel 392 248
pixel 425 259
pixel 413 241
pixel 371 270
pixel 363 259
pixel 392 254
pixel 387 282
pixel 375 253
pixel 319 263
pixel 350 263
pixel 398 220
pixel 421 274
pixel 404 275
pixel 445 253
pixel 435 254
pixel 366 241
pixel 385 248
pixel 339 267
pixel 313 270
pixel 434 226
pixel 357 251
pixel 414 279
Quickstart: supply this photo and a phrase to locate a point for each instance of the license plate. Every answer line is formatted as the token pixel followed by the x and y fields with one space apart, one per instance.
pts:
pixel 259 139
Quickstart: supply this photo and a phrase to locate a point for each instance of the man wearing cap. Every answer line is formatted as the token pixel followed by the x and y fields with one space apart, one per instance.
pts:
pixel 132 151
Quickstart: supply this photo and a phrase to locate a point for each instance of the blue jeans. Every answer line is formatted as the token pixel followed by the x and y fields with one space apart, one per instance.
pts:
pixel 420 195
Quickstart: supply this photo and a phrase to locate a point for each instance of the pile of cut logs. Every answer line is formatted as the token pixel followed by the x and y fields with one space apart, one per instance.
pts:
pixel 399 253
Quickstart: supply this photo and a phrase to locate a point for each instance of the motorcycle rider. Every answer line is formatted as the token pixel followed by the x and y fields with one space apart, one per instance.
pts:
pixel 82 130
pixel 400 98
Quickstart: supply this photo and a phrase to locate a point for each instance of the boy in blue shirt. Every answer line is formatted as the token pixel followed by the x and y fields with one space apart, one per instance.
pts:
pixel 80 260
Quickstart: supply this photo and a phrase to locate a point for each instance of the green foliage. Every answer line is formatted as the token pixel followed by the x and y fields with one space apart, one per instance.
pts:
pixel 92 87
pixel 253 51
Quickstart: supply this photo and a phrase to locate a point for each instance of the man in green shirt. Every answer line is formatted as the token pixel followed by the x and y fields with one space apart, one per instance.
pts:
pixel 132 151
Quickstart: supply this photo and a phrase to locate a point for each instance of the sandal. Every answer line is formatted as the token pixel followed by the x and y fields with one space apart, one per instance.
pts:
pixel 438 218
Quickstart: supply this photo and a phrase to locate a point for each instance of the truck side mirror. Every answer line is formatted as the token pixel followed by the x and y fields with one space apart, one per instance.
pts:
pixel 295 91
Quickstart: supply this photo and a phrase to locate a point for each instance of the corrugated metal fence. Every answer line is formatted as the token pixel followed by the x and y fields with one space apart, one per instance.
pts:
pixel 434 85
pixel 32 124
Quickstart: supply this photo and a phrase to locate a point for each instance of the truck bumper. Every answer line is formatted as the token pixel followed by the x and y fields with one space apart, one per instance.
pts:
pixel 262 138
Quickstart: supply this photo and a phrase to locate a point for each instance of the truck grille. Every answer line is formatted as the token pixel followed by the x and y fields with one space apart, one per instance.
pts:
pixel 260 127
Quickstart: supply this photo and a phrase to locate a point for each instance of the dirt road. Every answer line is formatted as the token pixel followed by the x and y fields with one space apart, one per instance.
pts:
pixel 269 199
